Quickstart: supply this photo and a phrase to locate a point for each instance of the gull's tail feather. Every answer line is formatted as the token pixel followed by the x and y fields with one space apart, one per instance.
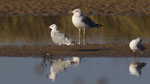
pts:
pixel 98 25
pixel 73 43
pixel 141 47
pixel 141 65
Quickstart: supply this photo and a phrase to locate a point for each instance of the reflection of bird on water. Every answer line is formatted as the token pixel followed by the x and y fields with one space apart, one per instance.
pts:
pixel 76 61
pixel 58 37
pixel 82 22
pixel 59 65
pixel 135 45
pixel 136 67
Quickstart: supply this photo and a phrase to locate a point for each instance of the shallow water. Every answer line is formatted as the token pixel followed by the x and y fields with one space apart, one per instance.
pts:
pixel 33 30
pixel 91 70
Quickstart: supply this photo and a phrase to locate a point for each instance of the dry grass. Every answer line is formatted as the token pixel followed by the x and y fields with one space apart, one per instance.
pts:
pixel 58 7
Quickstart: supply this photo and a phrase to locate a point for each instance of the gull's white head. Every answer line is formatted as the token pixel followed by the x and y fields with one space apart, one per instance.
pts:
pixel 76 12
pixel 139 39
pixel 52 76
pixel 53 27
pixel 76 61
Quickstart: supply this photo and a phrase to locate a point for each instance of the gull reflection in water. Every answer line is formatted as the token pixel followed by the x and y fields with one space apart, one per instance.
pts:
pixel 59 65
pixel 135 68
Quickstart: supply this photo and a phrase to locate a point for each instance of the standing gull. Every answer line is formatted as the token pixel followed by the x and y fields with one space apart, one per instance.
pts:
pixel 58 37
pixel 82 22
pixel 135 45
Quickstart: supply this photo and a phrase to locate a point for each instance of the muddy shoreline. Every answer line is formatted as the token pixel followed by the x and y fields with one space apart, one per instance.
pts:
pixel 95 50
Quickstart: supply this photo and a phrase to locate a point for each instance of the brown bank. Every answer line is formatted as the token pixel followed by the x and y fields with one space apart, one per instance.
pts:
pixel 61 7
pixel 95 50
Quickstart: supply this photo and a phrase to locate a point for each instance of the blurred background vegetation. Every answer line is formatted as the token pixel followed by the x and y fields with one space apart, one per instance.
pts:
pixel 33 30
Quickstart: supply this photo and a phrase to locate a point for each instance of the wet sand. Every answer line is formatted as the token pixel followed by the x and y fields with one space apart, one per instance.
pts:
pixel 61 7
pixel 89 50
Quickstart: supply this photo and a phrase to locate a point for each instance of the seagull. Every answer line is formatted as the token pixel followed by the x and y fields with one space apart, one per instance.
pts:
pixel 135 45
pixel 136 67
pixel 60 65
pixel 58 37
pixel 82 22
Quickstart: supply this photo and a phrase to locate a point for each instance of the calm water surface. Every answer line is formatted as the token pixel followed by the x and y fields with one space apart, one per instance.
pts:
pixel 93 70
pixel 33 30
